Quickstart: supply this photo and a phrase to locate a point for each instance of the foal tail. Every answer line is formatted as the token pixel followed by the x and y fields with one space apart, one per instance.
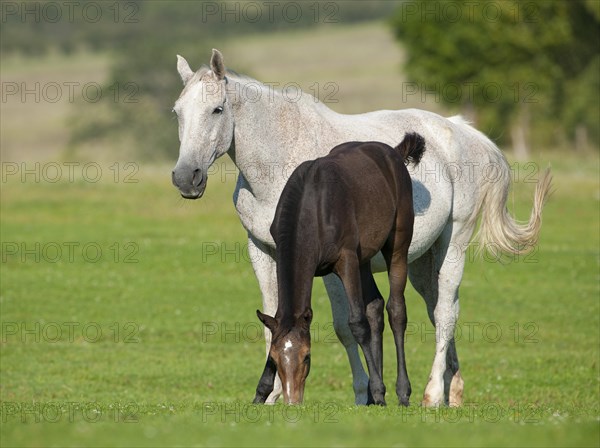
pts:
pixel 412 148
pixel 498 229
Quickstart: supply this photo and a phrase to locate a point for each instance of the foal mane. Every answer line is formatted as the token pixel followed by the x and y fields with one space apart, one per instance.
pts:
pixel 283 229
pixel 284 232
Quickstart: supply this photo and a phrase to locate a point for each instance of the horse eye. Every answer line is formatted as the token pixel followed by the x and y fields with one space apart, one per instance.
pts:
pixel 307 358
pixel 218 110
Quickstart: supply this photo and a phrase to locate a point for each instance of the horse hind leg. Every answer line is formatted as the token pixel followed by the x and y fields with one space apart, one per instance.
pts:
pixel 445 382
pixel 453 381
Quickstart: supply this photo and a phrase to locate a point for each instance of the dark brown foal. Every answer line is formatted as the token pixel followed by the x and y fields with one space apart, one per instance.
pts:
pixel 334 214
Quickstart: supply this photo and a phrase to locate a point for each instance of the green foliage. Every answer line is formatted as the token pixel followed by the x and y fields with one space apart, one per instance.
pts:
pixel 533 53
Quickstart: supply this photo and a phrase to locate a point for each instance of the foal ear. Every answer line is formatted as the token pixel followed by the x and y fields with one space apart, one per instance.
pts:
pixel 216 64
pixel 184 69
pixel 267 320
pixel 306 318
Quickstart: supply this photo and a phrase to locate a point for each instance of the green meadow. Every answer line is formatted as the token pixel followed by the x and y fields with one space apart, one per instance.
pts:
pixel 128 318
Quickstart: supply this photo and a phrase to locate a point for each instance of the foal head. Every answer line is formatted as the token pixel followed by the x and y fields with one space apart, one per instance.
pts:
pixel 289 355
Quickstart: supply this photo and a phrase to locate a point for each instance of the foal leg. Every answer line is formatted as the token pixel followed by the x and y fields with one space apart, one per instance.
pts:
pixel 349 272
pixel 340 312
pixel 266 273
pixel 374 304
pixel 396 307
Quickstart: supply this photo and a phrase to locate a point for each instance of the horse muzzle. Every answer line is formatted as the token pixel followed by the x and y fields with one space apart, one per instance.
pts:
pixel 191 182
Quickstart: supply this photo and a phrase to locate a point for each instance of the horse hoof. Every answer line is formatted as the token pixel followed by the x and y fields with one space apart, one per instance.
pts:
pixel 361 393
pixel 430 402
pixel 457 385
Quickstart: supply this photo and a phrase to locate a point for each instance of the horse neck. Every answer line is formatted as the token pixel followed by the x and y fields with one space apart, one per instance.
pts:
pixel 273 132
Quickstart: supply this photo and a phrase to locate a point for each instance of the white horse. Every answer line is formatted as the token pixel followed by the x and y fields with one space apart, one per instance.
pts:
pixel 462 176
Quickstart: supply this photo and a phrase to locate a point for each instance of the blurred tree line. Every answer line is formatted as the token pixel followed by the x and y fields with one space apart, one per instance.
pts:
pixel 525 72
pixel 144 37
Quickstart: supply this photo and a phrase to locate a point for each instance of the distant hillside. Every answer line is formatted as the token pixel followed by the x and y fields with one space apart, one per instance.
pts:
pixel 352 68
pixel 361 62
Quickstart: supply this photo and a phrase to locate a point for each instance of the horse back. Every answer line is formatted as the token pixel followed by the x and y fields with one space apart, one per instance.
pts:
pixel 360 187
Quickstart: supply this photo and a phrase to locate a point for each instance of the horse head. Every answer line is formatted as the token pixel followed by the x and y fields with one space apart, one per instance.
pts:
pixel 206 124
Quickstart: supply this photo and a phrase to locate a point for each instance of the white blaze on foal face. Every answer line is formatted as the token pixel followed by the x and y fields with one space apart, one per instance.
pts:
pixel 289 357
pixel 292 356
pixel 286 348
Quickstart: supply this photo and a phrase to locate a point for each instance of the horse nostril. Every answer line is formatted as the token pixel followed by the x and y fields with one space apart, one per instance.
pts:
pixel 197 178
pixel 173 177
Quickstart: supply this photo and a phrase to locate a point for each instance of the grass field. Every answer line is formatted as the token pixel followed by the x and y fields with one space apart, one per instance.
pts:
pixel 123 304
pixel 128 319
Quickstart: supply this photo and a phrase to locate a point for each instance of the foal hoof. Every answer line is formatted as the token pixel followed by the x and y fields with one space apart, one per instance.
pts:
pixel 379 402
pixel 370 399
pixel 404 401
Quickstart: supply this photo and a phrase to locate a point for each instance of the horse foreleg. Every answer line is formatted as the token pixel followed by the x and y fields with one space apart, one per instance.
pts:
pixel 340 312
pixel 266 273
pixel 256 217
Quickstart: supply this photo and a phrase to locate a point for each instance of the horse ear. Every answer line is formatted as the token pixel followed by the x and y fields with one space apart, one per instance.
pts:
pixel 217 65
pixel 267 320
pixel 306 318
pixel 184 69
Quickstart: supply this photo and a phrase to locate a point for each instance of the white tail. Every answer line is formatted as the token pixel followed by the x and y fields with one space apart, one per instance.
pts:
pixel 498 230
